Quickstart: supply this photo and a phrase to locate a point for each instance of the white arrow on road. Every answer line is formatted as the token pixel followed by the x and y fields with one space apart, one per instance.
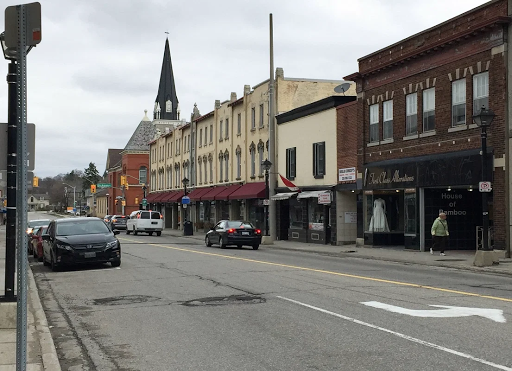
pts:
pixel 449 312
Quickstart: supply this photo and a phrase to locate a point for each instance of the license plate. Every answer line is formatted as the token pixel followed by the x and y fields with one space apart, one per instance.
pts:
pixel 89 255
pixel 245 233
pixel 154 222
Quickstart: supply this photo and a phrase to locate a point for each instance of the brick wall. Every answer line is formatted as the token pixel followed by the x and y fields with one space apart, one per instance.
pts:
pixel 346 122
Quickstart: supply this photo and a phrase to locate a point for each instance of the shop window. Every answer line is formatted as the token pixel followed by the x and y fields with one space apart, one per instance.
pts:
pixel 316 215
pixel 411 120
pixel 291 163
pixel 295 214
pixel 383 211
pixel 459 102
pixel 480 91
pixel 429 109
pixel 374 123
pixel 319 159
pixel 387 111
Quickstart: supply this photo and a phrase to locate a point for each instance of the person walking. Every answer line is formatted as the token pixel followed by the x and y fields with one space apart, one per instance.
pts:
pixel 440 234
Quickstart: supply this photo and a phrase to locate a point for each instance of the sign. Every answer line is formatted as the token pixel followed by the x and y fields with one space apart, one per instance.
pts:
pixel 74 209
pixel 104 185
pixel 31 146
pixel 185 200
pixel 484 186
pixel 33 25
pixel 266 202
pixel 350 217
pixel 324 198
pixel 495 315
pixel 144 202
pixel 347 174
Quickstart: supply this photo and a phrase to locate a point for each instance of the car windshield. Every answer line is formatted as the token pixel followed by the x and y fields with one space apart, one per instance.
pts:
pixel 81 227
pixel 239 224
pixel 37 223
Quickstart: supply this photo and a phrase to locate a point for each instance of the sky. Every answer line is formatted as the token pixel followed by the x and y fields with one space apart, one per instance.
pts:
pixel 98 65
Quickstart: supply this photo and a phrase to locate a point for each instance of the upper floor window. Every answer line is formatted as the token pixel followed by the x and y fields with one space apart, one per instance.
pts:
pixel 226 162
pixel 319 159
pixel 143 175
pixel 253 162
pixel 200 137
pixel 261 115
pixel 211 133
pixel 221 168
pixel 480 91
pixel 387 112
pixel 290 163
pixel 253 118
pixel 205 135
pixel 411 119
pixel 459 102
pixel 227 128
pixel 374 123
pixel 239 124
pixel 220 130
pixel 238 164
pixel 429 109
pixel 261 149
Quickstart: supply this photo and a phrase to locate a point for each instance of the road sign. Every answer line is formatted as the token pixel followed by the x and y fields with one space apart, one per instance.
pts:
pixel 3 179
pixel 185 200
pixel 32 23
pixel 144 202
pixel 104 185
pixel 485 186
pixel 266 202
pixel 31 146
pixel 74 209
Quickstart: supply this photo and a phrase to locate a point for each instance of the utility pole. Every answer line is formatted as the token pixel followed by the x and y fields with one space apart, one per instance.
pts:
pixel 271 139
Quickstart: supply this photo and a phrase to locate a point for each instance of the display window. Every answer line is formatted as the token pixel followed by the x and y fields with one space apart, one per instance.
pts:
pixel 315 215
pixel 384 211
pixel 295 214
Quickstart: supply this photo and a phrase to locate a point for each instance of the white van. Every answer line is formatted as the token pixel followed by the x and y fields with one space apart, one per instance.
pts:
pixel 145 221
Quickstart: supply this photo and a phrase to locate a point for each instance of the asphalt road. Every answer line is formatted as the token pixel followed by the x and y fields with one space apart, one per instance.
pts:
pixel 175 304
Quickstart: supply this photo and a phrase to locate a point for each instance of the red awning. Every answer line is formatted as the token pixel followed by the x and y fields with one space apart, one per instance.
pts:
pixel 249 190
pixel 196 194
pixel 210 196
pixel 158 197
pixel 223 195
pixel 150 197
pixel 166 196
pixel 176 197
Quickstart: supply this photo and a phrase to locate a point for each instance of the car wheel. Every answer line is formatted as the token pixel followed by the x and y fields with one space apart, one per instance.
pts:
pixel 222 244
pixel 54 265
pixel 116 263
pixel 127 231
pixel 150 233
pixel 158 233
pixel 207 242
pixel 255 247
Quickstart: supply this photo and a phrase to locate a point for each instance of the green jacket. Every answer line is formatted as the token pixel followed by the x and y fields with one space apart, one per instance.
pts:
pixel 440 227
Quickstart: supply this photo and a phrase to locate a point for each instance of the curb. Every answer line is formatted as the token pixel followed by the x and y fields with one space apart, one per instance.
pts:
pixel 49 353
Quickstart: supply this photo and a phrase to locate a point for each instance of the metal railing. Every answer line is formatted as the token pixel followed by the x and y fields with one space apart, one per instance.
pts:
pixel 479 237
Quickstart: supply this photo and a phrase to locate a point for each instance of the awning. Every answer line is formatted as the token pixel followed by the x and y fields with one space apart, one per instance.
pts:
pixel 224 194
pixel 249 190
pixel 210 196
pixel 176 197
pixel 150 197
pixel 167 196
pixel 196 194
pixel 311 194
pixel 283 196
pixel 159 197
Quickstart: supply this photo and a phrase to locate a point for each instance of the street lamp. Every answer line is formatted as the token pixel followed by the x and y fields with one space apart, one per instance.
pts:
pixel 107 202
pixel 483 119
pixel 266 166
pixel 185 183
pixel 74 195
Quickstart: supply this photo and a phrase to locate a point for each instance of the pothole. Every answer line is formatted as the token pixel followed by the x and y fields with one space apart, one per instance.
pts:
pixel 225 300
pixel 124 300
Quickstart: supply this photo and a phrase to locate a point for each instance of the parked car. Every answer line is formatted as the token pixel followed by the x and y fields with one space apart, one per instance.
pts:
pixel 80 240
pixel 37 242
pixel 107 218
pixel 234 232
pixel 118 222
pixel 145 221
pixel 30 230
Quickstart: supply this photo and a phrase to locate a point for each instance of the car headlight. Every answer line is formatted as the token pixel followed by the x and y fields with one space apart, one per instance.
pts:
pixel 30 230
pixel 64 247
pixel 111 245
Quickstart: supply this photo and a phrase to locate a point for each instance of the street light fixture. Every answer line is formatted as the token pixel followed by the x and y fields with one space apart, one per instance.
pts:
pixel 266 166
pixel 483 119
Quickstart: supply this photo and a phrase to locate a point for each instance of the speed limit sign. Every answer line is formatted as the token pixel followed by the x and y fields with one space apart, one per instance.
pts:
pixel 484 186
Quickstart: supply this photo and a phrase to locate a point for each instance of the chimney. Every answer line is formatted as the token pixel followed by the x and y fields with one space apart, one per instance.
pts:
pixel 217 104
pixel 247 89
pixel 279 73
pixel 233 96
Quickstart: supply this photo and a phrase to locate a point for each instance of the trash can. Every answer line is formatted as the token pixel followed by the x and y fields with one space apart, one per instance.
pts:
pixel 188 229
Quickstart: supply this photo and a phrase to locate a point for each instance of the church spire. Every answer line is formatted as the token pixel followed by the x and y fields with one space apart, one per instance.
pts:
pixel 166 102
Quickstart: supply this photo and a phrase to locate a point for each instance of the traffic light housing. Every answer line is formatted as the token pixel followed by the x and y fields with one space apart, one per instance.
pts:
pixel 125 184
pixel 123 203
pixel 116 201
pixel 93 188
pixel 123 179
pixel 35 182
pixel 136 200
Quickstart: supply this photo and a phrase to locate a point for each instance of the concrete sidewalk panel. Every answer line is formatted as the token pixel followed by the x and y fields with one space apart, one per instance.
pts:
pixel 8 315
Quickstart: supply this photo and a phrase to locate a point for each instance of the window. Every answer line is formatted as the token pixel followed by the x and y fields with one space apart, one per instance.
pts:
pixel 221 168
pixel 171 150
pixel 458 102
pixel 227 128
pixel 260 158
pixel 480 91
pixel 205 172
pixel 290 163
pixel 239 124
pixel 253 118
pixel 429 109
pixel 253 162
pixel 411 119
pixel 238 165
pixel 211 170
pixel 387 112
pixel 205 135
pixel 220 130
pixel 143 175
pixel 374 123
pixel 200 170
pixel 319 159
pixel 226 162
pixel 200 137
pixel 169 177
pixel 261 115
pixel 211 133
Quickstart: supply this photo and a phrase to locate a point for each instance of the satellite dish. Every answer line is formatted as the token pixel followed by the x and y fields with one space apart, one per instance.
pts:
pixel 342 88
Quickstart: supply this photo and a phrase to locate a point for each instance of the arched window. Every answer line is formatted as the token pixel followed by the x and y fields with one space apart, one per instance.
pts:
pixel 143 175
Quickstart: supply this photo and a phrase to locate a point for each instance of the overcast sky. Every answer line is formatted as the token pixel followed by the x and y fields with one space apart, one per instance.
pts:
pixel 98 66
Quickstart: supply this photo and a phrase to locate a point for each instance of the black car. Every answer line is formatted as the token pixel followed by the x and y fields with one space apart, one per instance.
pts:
pixel 118 222
pixel 233 232
pixel 80 240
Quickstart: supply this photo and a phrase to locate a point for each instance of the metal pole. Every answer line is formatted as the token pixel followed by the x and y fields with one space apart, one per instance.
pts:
pixel 10 228
pixel 122 201
pixel 272 138
pixel 267 197
pixel 186 208
pixel 485 210
pixel 21 325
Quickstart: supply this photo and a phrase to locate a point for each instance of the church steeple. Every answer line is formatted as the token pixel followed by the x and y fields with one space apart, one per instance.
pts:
pixel 166 102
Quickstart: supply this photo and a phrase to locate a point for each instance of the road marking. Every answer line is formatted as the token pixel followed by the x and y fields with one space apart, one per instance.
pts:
pixel 495 315
pixel 400 335
pixel 399 283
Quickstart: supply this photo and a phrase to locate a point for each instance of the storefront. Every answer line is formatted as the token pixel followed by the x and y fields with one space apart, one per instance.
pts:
pixel 250 197
pixel 401 199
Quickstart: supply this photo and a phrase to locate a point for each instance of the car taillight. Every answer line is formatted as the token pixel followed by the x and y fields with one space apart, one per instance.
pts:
pixel 161 216
pixel 114 220
pixel 231 230
pixel 258 231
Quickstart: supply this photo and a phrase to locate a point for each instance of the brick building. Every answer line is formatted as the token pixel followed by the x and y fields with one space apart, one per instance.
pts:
pixel 418 150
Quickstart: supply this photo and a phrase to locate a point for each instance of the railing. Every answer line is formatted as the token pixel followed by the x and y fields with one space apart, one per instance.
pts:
pixel 479 237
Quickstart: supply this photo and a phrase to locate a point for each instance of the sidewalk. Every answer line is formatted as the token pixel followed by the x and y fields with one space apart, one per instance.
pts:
pixel 41 353
pixel 453 259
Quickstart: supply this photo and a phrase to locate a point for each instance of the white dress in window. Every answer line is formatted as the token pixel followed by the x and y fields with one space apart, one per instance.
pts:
pixel 378 222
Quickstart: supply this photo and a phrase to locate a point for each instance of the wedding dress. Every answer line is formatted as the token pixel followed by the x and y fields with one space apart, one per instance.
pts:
pixel 378 222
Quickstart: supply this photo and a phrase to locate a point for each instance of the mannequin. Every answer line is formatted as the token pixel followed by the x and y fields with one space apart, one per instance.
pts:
pixel 378 222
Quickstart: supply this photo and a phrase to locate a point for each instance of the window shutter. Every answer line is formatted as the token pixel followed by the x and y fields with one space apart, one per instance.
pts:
pixel 321 149
pixel 288 169
pixel 293 169
pixel 315 159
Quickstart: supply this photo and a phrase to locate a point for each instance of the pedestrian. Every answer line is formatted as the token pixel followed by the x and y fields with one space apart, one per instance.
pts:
pixel 440 234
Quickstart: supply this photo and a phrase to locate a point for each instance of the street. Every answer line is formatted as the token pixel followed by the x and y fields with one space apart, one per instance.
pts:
pixel 175 304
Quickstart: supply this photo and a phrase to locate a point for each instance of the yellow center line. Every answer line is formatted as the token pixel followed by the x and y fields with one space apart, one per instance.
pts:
pixel 407 284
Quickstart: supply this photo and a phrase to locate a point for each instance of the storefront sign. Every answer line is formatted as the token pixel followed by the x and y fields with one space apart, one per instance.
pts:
pixel 347 174
pixel 324 198
pixel 350 217
pixel 316 226
pixel 385 177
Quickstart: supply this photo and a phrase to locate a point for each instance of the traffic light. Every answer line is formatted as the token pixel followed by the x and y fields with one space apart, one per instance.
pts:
pixel 93 188
pixel 35 182
pixel 116 201
pixel 123 179
pixel 123 203
pixel 125 184
pixel 136 200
